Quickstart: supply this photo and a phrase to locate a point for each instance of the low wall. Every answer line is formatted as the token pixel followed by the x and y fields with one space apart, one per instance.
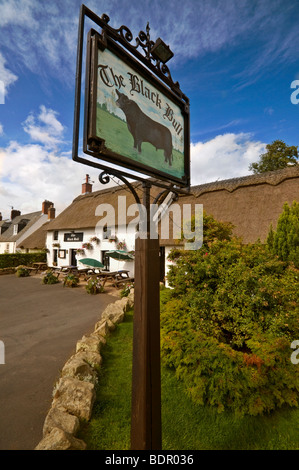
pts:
pixel 74 393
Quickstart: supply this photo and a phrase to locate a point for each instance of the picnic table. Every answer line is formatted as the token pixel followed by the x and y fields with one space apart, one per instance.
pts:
pixel 39 266
pixel 116 277
pixel 65 270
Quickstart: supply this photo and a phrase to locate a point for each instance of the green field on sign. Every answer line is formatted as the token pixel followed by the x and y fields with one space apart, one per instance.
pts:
pixel 119 140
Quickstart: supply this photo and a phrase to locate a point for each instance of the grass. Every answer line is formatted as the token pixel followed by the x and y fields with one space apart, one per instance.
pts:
pixel 185 426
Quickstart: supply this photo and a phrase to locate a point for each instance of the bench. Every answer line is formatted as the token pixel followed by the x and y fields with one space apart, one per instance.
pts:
pixel 123 281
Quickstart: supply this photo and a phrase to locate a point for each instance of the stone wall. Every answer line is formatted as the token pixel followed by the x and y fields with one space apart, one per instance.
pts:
pixel 74 394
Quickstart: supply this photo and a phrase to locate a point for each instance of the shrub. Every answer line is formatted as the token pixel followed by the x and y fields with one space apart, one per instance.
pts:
pixel 11 260
pixel 228 326
pixel 49 278
pixel 93 287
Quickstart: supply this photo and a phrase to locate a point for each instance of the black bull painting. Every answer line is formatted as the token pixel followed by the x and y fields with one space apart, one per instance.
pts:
pixel 145 129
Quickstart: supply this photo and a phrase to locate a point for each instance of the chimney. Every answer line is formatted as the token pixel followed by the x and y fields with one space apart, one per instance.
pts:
pixel 87 186
pixel 14 213
pixel 45 206
pixel 51 212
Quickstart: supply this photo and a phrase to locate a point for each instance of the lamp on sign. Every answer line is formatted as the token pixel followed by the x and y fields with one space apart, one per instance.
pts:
pixel 161 51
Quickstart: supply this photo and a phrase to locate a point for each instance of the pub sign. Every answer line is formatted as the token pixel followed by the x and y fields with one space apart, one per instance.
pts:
pixel 131 118
pixel 73 237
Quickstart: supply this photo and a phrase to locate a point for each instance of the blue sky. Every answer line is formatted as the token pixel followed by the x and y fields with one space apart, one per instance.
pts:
pixel 235 60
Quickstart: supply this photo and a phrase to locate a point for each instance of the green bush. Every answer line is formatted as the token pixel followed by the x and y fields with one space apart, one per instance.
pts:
pixel 228 326
pixel 285 241
pixel 49 278
pixel 11 260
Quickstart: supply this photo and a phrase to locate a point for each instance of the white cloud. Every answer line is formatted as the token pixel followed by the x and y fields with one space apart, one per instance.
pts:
pixel 223 157
pixel 31 173
pixel 46 128
pixel 1 129
pixel 6 76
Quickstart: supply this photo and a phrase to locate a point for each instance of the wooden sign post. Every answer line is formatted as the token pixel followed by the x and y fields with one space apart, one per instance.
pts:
pixel 146 373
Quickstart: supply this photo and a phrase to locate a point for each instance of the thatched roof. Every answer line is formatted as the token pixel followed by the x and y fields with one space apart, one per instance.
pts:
pixel 81 214
pixel 271 177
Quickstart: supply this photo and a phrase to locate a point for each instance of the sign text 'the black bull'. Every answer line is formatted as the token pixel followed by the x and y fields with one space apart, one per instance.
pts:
pixel 110 79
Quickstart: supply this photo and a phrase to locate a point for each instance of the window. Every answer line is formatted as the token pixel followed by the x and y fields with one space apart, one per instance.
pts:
pixel 55 235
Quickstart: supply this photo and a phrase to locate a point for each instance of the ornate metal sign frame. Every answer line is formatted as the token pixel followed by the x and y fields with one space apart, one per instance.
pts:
pixel 148 68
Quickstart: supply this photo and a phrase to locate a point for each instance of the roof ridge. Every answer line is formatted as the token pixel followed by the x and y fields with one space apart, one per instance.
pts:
pixel 231 184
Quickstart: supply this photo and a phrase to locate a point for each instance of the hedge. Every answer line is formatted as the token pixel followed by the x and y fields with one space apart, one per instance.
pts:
pixel 10 260
pixel 228 323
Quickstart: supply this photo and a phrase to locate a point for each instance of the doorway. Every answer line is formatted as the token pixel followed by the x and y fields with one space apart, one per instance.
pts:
pixel 55 257
pixel 105 260
pixel 73 257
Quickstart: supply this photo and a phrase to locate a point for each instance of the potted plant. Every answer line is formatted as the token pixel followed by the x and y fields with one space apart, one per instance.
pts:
pixel 93 287
pixel 80 251
pixel 95 240
pixel 87 246
pixel 70 281
pixel 22 272
pixel 49 278
pixel 121 245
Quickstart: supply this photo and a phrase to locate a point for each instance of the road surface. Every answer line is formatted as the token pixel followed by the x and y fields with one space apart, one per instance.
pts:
pixel 39 326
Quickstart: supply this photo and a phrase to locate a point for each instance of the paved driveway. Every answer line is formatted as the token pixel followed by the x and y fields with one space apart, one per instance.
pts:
pixel 39 325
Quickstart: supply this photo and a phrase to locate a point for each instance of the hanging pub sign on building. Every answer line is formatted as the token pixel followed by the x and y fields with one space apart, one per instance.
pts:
pixel 132 119
pixel 73 237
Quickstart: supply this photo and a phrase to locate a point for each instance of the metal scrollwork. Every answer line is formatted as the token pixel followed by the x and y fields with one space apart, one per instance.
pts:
pixel 125 33
pixel 144 42
pixel 104 178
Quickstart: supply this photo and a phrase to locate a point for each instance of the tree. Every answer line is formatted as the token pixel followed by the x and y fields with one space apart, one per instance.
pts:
pixel 285 241
pixel 278 156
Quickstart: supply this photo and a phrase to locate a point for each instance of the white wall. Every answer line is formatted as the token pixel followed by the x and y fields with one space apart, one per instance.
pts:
pixel 7 247
pixel 122 233
pixel 96 252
